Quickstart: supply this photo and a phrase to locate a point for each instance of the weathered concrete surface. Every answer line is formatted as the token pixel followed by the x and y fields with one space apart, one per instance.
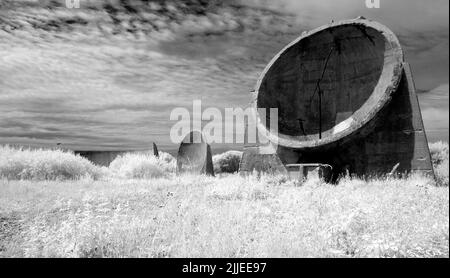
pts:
pixel 194 155
pixel 104 158
pixel 259 157
pixel 253 160
pixel 395 135
pixel 368 118
pixel 330 82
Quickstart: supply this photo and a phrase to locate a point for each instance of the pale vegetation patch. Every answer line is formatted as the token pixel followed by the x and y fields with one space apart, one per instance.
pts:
pixel 56 164
pixel 440 156
pixel 41 164
pixel 56 204
pixel 143 165
pixel 230 216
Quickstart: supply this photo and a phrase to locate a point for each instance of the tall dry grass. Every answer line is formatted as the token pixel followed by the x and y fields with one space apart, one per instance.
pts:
pixel 230 216
pixel 143 166
pixel 41 164
pixel 52 206
pixel 440 156
pixel 56 164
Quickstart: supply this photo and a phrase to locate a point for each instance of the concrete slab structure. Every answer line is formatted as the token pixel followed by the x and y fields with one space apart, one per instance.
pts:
pixel 104 158
pixel 194 155
pixel 345 97
pixel 101 158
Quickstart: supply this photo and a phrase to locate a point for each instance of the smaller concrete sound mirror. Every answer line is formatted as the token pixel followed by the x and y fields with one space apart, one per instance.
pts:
pixel 194 155
pixel 345 97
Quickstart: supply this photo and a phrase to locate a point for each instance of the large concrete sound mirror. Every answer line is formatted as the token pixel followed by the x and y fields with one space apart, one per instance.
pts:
pixel 345 97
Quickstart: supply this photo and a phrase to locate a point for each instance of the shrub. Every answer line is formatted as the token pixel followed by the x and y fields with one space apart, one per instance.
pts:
pixel 167 158
pixel 439 152
pixel 227 162
pixel 439 156
pixel 142 165
pixel 40 164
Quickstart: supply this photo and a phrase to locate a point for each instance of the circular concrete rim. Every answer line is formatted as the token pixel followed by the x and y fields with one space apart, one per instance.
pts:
pixel 292 141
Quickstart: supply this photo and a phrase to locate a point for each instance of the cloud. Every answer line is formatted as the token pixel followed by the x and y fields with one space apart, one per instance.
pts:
pixel 435 112
pixel 398 14
pixel 108 75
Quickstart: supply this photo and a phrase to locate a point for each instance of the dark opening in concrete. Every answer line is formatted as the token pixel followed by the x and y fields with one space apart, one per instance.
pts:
pixel 326 83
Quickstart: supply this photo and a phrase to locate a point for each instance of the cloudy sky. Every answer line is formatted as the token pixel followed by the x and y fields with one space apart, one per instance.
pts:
pixel 107 75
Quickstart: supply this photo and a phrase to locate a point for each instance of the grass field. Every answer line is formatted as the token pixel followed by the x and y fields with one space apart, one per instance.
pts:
pixel 226 216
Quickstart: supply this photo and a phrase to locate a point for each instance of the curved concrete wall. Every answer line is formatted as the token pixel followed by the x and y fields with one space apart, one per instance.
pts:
pixel 102 158
pixel 330 82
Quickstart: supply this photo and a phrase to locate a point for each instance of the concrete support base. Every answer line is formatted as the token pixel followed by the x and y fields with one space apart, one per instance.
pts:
pixel 394 136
